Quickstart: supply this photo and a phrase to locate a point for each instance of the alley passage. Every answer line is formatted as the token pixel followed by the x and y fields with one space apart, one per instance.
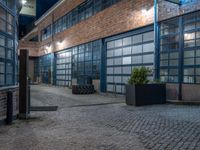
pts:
pixel 101 122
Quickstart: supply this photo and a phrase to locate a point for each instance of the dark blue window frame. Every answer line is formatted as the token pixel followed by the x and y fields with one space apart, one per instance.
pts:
pixel 188 42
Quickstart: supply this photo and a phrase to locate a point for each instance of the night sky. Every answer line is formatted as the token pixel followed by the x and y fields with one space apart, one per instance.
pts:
pixel 26 22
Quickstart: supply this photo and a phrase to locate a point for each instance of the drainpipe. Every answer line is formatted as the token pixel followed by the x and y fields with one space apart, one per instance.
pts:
pixel 156 63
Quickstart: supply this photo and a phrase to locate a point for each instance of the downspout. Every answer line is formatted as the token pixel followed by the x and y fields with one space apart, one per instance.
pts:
pixel 156 63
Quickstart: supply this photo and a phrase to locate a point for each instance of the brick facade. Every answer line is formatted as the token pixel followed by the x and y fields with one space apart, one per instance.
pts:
pixel 121 17
pixel 168 10
pixel 3 102
pixel 33 47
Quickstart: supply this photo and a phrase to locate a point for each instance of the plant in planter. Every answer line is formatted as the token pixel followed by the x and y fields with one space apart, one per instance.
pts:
pixel 140 92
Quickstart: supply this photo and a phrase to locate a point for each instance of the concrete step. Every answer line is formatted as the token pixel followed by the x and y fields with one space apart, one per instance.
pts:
pixel 183 102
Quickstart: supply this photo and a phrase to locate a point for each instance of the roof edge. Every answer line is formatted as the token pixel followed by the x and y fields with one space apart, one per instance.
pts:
pixel 33 31
pixel 50 10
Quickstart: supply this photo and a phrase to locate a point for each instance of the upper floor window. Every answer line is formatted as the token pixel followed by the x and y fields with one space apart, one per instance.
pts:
pixel 6 22
pixel 47 32
pixel 80 13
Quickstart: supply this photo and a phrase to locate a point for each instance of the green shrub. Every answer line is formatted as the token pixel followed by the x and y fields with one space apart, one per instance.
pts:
pixel 139 76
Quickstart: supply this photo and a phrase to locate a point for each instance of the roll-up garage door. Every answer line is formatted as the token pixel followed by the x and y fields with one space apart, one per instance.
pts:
pixel 124 54
pixel 63 68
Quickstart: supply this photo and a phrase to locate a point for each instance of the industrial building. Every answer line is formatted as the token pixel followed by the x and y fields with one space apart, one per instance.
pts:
pixel 105 39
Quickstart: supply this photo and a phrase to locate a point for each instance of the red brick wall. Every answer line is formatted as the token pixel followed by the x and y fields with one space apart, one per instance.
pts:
pixel 121 17
pixel 33 47
pixel 168 10
pixel 3 102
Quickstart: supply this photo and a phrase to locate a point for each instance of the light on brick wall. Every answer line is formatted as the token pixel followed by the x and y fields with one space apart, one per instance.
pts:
pixel 147 12
pixel 144 12
pixel 59 43
pixel 24 2
pixel 48 49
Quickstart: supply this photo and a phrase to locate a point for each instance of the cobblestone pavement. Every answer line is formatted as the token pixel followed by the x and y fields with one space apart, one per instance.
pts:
pixel 84 123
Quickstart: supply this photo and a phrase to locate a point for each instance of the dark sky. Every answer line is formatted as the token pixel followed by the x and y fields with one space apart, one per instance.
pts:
pixel 26 22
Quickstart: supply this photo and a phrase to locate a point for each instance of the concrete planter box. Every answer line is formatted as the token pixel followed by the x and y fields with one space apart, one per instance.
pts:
pixel 146 94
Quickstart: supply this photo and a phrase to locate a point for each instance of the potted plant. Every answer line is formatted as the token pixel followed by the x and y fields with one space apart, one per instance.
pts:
pixel 140 92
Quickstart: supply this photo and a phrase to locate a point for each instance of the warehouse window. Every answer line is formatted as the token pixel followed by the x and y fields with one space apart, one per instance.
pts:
pixel 169 50
pixel 191 60
pixel 78 14
pixel 7 48
pixel 45 67
pixel 125 54
pixel 80 62
pixel 47 32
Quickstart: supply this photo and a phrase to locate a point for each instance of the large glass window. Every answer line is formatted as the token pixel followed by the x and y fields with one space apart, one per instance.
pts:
pixel 169 50
pixel 125 54
pixel 180 37
pixel 46 67
pixel 86 61
pixel 8 54
pixel 191 56
pixel 63 68
pixel 80 62
pixel 47 32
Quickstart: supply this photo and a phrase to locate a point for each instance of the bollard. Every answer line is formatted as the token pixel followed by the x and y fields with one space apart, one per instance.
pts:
pixel 29 98
pixel 29 95
pixel 9 113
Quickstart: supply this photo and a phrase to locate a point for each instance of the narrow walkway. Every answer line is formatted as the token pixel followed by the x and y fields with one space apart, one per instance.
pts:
pixel 97 122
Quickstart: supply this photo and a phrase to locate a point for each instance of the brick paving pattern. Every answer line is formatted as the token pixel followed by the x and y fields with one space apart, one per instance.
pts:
pixel 97 122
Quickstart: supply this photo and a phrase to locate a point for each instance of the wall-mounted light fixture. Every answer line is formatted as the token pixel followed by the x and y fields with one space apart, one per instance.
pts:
pixel 60 42
pixel 24 2
pixel 47 49
pixel 144 11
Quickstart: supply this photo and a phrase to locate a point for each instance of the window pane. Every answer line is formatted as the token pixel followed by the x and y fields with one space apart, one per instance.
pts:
pixel 118 43
pixel 127 51
pixel 137 59
pixel 110 53
pixel 137 39
pixel 118 52
pixel 126 60
pixel 149 36
pixel 2 67
pixel 189 36
pixel 2 41
pixel 148 58
pixel 188 54
pixel 137 49
pixel 148 47
pixel 2 25
pixel 127 41
pixel 2 52
pixel 110 44
pixel 2 13
pixel 189 61
pixel 189 71
pixel 2 79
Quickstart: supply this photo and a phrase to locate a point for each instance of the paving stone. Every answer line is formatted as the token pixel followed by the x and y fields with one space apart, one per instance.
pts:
pixel 83 123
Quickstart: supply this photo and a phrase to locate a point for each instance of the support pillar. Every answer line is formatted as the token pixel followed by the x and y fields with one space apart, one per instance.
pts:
pixel 23 85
